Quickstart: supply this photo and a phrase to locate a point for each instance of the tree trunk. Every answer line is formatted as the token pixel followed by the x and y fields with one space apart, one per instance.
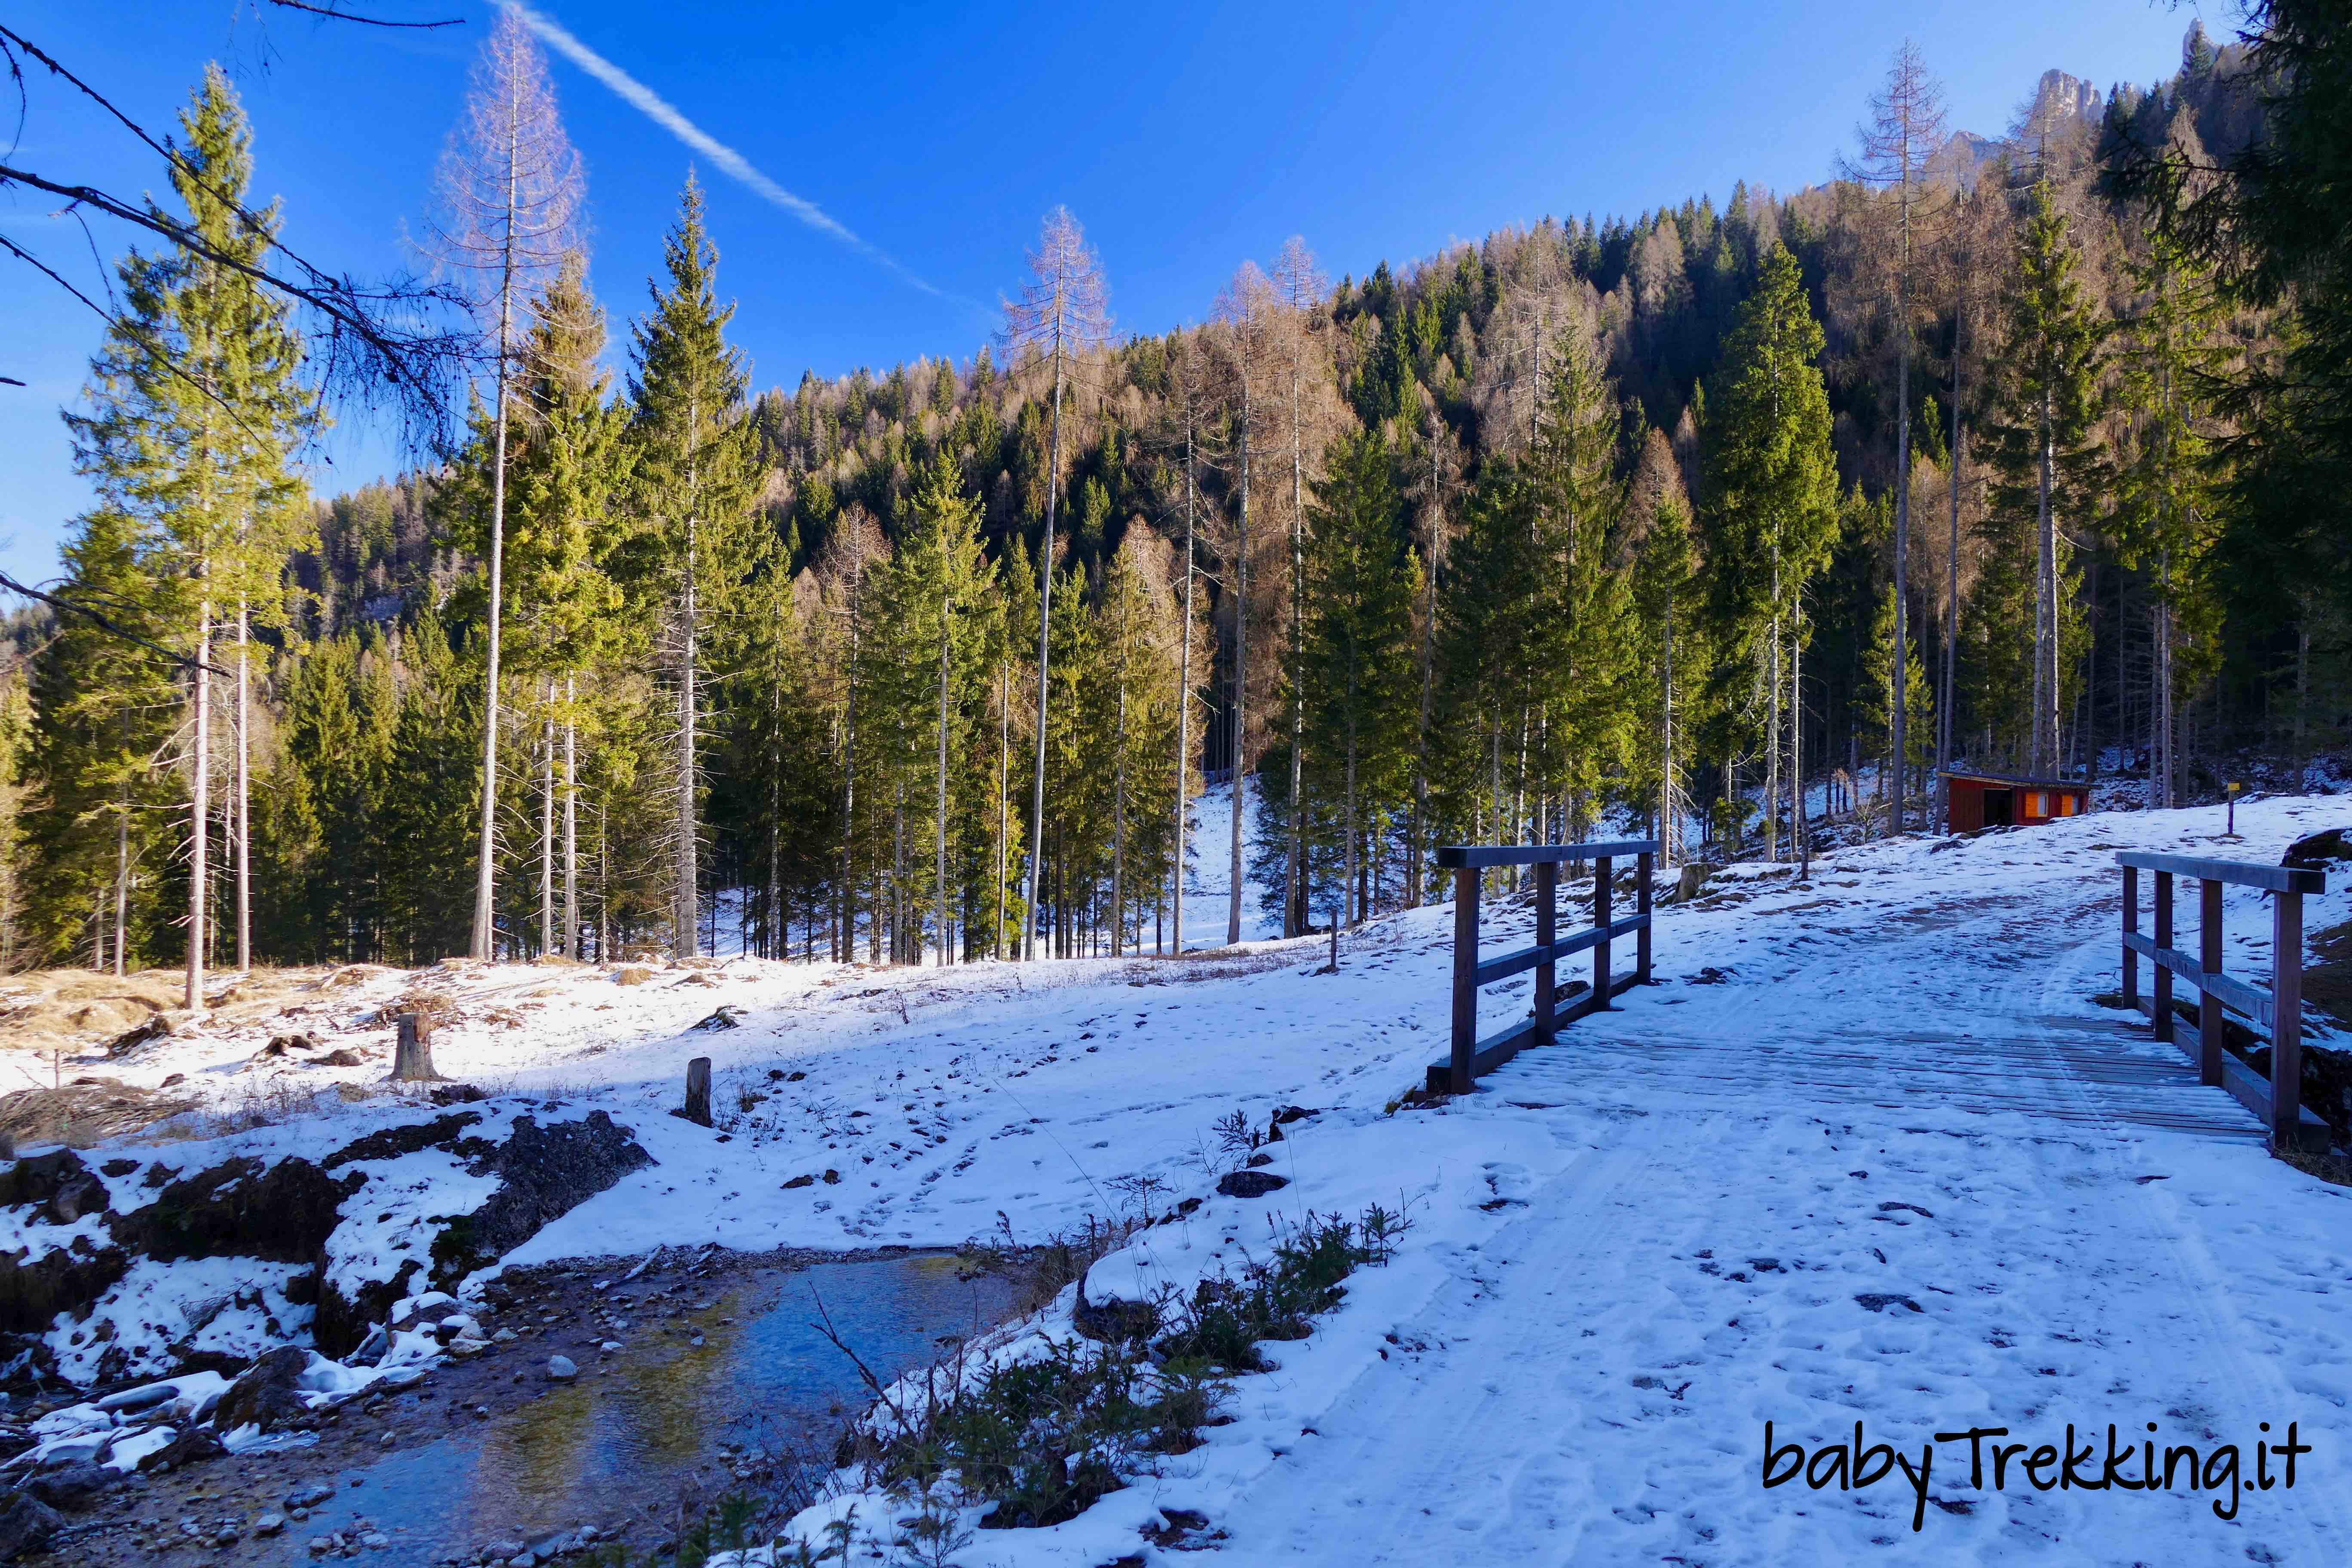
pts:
pixel 570 822
pixel 1044 641
pixel 244 806
pixel 1241 679
pixel 547 823
pixel 200 810
pixel 947 627
pixel 1184 688
pixel 697 1091
pixel 687 898
pixel 412 1058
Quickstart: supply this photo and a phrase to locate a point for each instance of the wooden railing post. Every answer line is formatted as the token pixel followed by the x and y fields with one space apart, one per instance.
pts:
pixel 1547 933
pixel 2286 1019
pixel 2209 959
pixel 2163 938
pixel 1601 868
pixel 1641 907
pixel 1465 974
pixel 2131 928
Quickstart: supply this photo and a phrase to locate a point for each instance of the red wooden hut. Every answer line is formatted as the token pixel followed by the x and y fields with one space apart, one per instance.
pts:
pixel 2001 800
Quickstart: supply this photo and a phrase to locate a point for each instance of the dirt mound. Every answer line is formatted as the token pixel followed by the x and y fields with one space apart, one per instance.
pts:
pixel 85 1111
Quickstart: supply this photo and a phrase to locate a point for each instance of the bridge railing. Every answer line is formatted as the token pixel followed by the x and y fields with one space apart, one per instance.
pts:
pixel 2275 1012
pixel 1471 1055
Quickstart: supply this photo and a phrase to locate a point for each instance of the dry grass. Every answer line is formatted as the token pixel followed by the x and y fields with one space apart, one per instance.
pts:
pixel 85 1111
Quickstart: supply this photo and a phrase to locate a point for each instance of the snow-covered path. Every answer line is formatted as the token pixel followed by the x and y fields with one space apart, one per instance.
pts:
pixel 1892 1169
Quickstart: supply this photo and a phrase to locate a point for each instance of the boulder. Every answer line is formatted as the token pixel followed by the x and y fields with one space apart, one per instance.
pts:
pixel 2318 851
pixel 73 1486
pixel 264 1394
pixel 562 1368
pixel 26 1524
pixel 187 1446
pixel 1251 1183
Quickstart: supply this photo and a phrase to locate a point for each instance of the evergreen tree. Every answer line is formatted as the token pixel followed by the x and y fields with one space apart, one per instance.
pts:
pixel 1769 512
pixel 2044 449
pixel 694 453
pixel 194 412
pixel 1359 667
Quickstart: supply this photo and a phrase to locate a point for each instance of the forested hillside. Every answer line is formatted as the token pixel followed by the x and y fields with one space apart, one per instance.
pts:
pixel 1993 451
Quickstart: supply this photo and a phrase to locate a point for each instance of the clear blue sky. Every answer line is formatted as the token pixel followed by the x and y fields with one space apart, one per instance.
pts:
pixel 1185 138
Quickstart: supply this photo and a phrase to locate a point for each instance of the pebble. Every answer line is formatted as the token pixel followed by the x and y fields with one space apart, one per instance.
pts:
pixel 375 1540
pixel 562 1368
pixel 269 1524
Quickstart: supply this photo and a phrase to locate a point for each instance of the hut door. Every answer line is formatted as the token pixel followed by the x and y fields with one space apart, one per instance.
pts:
pixel 1999 810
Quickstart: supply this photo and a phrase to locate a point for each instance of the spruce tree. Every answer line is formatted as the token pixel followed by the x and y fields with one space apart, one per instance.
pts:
pixel 694 477
pixel 194 414
pixel 1770 507
pixel 2043 446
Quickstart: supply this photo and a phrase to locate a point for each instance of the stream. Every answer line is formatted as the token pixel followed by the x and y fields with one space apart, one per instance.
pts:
pixel 644 1425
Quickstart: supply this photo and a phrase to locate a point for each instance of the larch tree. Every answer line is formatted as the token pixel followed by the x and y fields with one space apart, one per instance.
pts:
pixel 1248 331
pixel 1192 379
pixel 1905 129
pixel 694 454
pixel 1063 315
pixel 511 192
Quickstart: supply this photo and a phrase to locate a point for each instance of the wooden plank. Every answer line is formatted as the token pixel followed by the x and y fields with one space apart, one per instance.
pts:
pixel 2163 1010
pixel 2286 1032
pixel 1504 965
pixel 2310 1134
pixel 1466 985
pixel 2209 955
pixel 2131 930
pixel 2242 873
pixel 1547 924
pixel 1600 924
pixel 1503 1046
pixel 2251 1000
pixel 1641 896
pixel 1457 857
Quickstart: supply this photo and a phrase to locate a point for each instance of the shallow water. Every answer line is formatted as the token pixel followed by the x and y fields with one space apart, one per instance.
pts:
pixel 640 1423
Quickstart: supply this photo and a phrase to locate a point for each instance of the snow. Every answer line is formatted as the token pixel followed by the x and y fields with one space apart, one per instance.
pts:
pixel 1867 1153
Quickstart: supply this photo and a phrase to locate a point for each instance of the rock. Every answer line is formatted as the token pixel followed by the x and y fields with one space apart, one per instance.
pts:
pixel 153 1029
pixel 341 1057
pixel 280 1044
pixel 1251 1183
pixel 391 1142
pixel 310 1496
pixel 264 1396
pixel 1260 1160
pixel 375 1540
pixel 73 1486
pixel 64 1187
pixel 561 1369
pixel 800 1182
pixel 191 1444
pixel 269 1524
pixel 282 1211
pixel 35 1289
pixel 27 1523
pixel 1111 1319
pixel 545 1172
pixel 499 1551
pixel 2318 851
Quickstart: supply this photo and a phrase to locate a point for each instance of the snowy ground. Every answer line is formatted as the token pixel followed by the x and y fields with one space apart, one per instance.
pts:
pixel 1867 1153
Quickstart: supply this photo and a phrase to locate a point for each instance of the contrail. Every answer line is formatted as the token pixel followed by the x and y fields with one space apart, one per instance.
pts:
pixel 659 110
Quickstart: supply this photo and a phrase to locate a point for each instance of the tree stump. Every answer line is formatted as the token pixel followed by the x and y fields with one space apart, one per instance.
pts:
pixel 412 1058
pixel 697 1090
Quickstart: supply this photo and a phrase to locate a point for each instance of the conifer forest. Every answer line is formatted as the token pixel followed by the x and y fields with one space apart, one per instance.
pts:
pixel 1726 524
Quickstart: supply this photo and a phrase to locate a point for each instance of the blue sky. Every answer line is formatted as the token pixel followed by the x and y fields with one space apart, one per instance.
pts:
pixel 1185 138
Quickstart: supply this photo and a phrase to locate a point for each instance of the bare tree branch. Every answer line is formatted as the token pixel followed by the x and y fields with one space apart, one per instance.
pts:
pixel 106 624
pixel 330 11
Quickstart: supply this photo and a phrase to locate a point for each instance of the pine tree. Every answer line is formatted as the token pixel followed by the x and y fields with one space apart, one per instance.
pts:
pixel 694 477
